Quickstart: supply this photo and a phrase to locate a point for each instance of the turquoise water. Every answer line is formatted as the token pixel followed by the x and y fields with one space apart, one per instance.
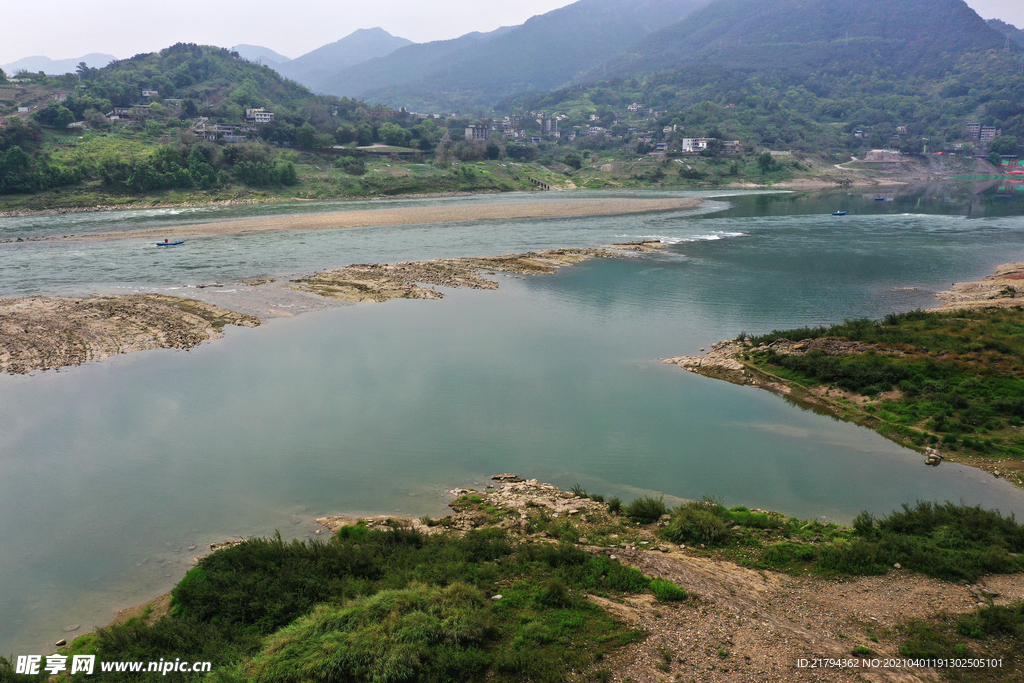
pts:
pixel 109 472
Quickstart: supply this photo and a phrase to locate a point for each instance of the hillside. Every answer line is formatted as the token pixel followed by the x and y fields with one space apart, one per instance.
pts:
pixel 844 76
pixel 1009 30
pixel 914 37
pixel 546 52
pixel 406 65
pixel 315 68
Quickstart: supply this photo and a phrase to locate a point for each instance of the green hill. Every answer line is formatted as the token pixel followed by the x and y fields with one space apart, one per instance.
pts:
pixel 918 37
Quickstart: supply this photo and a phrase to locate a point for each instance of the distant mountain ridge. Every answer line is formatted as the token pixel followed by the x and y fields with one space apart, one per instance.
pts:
pixel 478 70
pixel 57 67
pixel 1009 30
pixel 912 36
pixel 261 55
pixel 314 68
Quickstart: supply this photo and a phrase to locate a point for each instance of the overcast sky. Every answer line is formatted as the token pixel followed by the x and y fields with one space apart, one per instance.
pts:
pixel 64 29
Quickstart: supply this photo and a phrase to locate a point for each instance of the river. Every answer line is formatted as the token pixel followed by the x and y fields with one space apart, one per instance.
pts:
pixel 115 474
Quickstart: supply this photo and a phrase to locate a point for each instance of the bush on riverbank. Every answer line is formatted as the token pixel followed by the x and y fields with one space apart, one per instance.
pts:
pixel 949 377
pixel 392 603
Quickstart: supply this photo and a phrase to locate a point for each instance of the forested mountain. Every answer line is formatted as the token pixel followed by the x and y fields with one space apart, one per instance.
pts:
pixel 409 64
pixel 919 37
pixel 546 52
pixel 315 68
pixel 814 75
pixel 133 153
pixel 56 67
pixel 1009 30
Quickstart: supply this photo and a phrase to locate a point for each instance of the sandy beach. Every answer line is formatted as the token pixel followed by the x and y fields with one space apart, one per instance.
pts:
pixel 409 216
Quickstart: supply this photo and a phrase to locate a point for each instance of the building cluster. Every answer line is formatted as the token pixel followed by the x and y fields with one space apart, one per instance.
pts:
pixel 511 128
pixel 983 134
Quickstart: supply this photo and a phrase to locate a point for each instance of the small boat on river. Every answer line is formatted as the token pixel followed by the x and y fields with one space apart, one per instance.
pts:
pixel 838 213
pixel 167 243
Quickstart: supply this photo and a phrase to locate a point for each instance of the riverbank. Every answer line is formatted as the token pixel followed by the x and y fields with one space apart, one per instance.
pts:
pixel 731 609
pixel 930 381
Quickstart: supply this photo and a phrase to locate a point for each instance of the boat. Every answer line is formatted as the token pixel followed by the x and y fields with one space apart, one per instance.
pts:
pixel 838 213
pixel 879 198
pixel 166 243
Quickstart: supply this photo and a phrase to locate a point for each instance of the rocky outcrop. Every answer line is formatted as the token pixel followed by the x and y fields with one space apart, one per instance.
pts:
pixel 383 281
pixel 1003 288
pixel 720 362
pixel 40 333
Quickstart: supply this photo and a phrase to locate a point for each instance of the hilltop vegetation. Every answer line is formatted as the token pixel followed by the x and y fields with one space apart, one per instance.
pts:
pixel 810 76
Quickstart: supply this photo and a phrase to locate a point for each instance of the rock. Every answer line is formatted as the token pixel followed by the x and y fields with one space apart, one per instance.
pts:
pixel 584 539
pixel 897 566
pixel 72 627
pixel 682 547
pixel 612 557
pixel 61 642
pixel 932 457
pixel 497 597
pixel 511 478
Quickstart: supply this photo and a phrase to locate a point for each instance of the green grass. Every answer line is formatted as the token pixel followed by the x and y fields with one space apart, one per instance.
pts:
pixel 389 604
pixel 959 375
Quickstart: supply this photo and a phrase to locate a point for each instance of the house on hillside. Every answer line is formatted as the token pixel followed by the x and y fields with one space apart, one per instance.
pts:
pixel 150 94
pixel 260 115
pixel 974 130
pixel 635 107
pixel 695 145
pixel 478 131
pixel 732 147
pixel 60 95
pixel 989 133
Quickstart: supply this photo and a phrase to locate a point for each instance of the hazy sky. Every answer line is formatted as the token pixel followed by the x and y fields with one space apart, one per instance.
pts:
pixel 72 28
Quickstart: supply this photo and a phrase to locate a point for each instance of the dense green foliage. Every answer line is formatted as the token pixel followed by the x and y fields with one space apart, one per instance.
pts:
pixel 789 74
pixel 947 541
pixel 388 605
pixel 960 374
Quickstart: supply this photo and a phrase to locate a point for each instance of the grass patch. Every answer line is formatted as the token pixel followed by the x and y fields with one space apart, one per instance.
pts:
pixel 959 375
pixel 387 604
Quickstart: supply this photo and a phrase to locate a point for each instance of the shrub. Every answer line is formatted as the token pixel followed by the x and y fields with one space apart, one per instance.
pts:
pixel 647 508
pixel 614 505
pixel 699 522
pixel 666 591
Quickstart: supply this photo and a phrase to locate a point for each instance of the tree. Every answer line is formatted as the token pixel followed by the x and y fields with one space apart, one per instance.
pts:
pixel 573 160
pixel 393 134
pixel 64 118
pixel 1004 144
pixel 3 76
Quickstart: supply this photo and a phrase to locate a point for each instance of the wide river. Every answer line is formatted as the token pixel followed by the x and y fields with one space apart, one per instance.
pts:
pixel 115 474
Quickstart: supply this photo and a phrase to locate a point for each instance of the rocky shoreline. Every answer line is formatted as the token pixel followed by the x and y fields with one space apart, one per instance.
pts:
pixel 43 333
pixel 725 361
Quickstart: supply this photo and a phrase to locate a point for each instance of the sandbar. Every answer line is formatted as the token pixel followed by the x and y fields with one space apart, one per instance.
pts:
pixel 454 213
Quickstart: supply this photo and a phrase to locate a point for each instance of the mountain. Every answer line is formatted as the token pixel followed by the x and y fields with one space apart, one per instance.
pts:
pixel 1009 30
pixel 261 55
pixel 546 52
pixel 909 36
pixel 408 64
pixel 57 67
pixel 314 68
